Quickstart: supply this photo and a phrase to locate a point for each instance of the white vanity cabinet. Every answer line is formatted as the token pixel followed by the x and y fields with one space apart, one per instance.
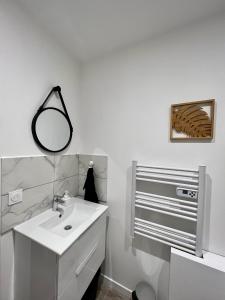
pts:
pixel 66 277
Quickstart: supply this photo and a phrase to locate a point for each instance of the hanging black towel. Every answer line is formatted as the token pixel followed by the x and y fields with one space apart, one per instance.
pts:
pixel 89 187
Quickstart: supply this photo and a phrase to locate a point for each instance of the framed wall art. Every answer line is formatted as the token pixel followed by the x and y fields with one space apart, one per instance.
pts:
pixel 192 120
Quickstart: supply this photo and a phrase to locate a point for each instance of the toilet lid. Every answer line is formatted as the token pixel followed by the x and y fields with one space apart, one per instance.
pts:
pixel 144 291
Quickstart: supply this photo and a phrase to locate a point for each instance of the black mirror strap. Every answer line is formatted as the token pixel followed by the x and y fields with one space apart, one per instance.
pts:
pixel 63 104
pixel 46 99
pixel 57 89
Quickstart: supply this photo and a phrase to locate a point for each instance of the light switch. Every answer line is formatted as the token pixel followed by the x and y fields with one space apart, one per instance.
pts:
pixel 15 197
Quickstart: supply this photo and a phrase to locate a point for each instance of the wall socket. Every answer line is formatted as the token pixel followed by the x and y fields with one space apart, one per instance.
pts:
pixel 15 197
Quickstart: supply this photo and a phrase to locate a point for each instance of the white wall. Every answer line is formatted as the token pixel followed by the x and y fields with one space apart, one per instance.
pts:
pixel 125 105
pixel 31 63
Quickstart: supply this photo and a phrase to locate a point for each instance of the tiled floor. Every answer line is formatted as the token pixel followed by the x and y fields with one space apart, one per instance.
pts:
pixel 110 294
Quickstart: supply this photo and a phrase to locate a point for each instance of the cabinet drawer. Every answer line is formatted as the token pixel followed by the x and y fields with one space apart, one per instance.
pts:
pixel 81 261
pixel 82 276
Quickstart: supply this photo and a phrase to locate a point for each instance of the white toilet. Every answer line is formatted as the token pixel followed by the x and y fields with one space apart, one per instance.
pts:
pixel 144 291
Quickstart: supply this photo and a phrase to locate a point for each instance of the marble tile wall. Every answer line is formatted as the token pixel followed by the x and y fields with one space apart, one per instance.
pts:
pixel 41 177
pixel 66 174
pixel 100 172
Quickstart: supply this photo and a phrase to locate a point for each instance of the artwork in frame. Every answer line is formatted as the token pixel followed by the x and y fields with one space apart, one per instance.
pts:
pixel 192 121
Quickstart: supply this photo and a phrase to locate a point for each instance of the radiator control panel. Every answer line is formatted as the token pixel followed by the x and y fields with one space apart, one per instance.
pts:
pixel 187 193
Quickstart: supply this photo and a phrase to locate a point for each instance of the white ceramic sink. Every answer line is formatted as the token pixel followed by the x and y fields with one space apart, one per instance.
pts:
pixel 73 217
pixel 58 233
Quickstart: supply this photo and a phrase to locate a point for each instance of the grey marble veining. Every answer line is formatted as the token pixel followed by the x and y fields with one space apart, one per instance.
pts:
pixel 100 185
pixel 66 166
pixel 100 165
pixel 26 172
pixel 69 184
pixel 35 201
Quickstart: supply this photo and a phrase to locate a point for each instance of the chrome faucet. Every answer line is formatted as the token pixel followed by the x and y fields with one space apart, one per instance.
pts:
pixel 56 201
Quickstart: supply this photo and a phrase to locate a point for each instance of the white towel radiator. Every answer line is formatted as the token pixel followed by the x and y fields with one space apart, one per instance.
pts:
pixel 176 207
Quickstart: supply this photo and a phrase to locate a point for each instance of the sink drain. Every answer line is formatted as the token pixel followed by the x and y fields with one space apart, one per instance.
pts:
pixel 67 227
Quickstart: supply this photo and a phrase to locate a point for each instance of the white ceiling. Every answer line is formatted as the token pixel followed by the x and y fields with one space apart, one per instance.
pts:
pixel 91 28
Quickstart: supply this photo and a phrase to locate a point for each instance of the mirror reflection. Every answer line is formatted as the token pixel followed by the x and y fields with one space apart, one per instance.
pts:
pixel 52 129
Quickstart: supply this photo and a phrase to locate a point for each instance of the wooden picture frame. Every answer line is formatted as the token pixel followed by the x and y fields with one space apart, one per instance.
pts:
pixel 192 121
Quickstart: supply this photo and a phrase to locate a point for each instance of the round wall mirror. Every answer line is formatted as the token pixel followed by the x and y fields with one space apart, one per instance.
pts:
pixel 52 129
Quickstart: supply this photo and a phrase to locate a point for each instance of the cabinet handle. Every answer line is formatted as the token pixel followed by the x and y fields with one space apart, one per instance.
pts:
pixel 85 261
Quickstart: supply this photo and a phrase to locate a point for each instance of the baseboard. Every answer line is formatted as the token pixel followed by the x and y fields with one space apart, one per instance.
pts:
pixel 113 284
